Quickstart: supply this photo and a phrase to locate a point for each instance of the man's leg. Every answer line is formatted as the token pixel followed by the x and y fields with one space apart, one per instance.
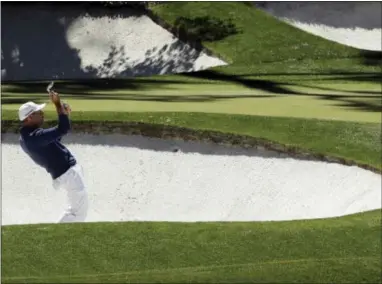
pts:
pixel 73 183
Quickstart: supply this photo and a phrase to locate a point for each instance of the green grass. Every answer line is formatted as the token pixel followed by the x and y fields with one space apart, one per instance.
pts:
pixel 302 76
pixel 262 39
pixel 334 250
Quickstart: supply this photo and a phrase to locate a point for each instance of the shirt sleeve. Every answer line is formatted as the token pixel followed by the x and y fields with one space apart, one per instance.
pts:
pixel 41 137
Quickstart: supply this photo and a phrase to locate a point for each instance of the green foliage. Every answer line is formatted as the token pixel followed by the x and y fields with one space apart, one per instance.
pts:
pixel 205 28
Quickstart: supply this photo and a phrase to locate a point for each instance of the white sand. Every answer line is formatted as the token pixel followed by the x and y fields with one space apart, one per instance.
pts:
pixel 357 37
pixel 146 181
pixel 116 47
pixel 77 42
pixel 356 24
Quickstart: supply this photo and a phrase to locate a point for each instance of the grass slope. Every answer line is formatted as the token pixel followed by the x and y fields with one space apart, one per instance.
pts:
pixel 322 251
pixel 263 39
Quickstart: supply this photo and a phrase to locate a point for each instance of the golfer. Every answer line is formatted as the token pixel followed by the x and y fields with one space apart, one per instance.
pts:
pixel 44 147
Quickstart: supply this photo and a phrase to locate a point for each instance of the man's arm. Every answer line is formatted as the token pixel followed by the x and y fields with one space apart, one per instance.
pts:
pixel 43 137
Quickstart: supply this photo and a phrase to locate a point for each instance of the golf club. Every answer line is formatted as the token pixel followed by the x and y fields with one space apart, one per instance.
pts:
pixel 50 87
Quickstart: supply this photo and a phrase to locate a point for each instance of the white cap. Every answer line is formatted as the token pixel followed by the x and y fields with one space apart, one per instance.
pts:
pixel 28 108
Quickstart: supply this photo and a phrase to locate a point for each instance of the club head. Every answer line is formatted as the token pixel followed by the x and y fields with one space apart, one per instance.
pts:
pixel 50 87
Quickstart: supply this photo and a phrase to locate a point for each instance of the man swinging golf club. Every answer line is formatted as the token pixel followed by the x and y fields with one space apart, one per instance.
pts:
pixel 44 147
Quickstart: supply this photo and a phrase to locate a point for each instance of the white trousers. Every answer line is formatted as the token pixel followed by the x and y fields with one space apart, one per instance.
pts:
pixel 72 181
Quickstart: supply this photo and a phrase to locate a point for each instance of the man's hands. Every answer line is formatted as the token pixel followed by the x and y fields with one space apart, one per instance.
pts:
pixel 55 98
pixel 67 108
pixel 61 108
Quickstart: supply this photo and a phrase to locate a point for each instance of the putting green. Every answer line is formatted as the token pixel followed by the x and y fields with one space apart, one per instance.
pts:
pixel 347 102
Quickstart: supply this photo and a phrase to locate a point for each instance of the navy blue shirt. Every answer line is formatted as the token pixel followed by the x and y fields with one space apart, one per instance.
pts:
pixel 44 146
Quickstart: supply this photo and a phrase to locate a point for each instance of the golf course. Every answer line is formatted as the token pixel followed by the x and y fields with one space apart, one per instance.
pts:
pixel 266 85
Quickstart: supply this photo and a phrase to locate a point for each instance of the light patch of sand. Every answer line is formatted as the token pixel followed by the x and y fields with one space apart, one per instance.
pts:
pixel 116 47
pixel 133 178
pixel 356 37
pixel 356 24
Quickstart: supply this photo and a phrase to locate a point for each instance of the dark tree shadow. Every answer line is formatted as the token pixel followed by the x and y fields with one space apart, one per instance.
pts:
pixel 279 88
pixel 365 94
pixel 372 58
pixel 332 75
pixel 264 85
pixel 33 42
pixel 9 99
pixel 363 77
pixel 349 102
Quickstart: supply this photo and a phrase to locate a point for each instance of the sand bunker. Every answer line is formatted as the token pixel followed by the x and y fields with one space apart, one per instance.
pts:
pixel 81 41
pixel 135 178
pixel 356 24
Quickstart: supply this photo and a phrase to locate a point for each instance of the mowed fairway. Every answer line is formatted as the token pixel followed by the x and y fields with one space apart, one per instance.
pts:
pixel 324 100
